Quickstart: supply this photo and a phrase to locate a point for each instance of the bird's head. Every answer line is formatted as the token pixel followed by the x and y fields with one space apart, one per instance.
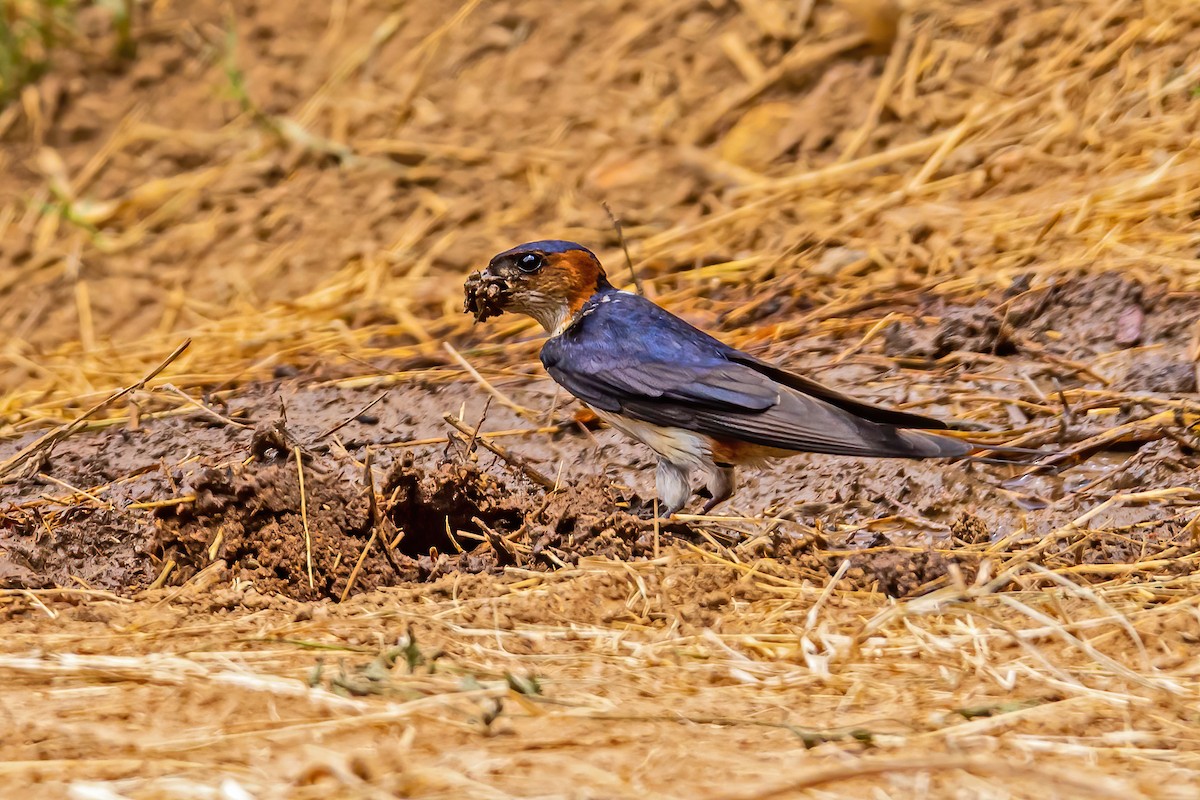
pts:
pixel 547 280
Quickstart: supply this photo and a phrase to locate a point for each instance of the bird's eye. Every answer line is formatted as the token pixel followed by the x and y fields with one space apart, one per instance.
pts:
pixel 530 262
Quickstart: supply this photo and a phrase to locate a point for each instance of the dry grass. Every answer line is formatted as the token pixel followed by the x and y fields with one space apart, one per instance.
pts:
pixel 1051 690
pixel 759 153
pixel 1061 152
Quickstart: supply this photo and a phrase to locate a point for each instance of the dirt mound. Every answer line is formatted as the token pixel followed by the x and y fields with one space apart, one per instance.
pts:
pixel 452 518
pixel 179 494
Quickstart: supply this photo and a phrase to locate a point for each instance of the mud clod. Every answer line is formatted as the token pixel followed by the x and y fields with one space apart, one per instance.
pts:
pixel 1161 375
pixel 976 330
pixel 969 529
pixel 484 296
pixel 899 573
pixel 252 520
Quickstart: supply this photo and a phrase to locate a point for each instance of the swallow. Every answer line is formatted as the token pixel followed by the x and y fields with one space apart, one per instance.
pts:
pixel 698 403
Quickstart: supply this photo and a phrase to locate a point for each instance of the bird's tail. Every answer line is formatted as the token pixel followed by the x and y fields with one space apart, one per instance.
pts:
pixel 1004 454
pixel 802 423
pixel 921 444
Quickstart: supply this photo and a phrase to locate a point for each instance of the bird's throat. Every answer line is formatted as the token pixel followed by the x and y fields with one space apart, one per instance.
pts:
pixel 580 308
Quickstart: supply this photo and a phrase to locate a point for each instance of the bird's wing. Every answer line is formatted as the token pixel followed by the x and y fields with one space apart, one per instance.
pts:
pixel 641 362
pixel 886 416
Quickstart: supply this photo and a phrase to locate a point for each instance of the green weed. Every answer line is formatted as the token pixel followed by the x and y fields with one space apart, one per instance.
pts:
pixel 31 30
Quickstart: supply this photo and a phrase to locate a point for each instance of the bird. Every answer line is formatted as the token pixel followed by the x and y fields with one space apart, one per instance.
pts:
pixel 701 405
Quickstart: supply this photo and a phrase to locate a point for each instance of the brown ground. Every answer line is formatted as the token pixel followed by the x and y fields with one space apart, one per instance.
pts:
pixel 986 211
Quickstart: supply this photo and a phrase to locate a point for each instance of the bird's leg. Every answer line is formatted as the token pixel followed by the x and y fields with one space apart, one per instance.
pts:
pixel 673 487
pixel 722 481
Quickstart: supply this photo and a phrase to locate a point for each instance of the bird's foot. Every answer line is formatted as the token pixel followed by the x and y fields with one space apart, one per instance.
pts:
pixel 719 489
pixel 713 500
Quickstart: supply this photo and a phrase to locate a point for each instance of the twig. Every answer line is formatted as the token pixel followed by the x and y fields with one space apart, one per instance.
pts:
pixel 977 765
pixel 350 418
pixel 98 594
pixel 76 490
pixel 810 619
pixel 516 461
pixel 487 387
pixel 205 409
pixel 373 512
pixel 47 441
pixel 496 540
pixel 358 564
pixel 458 548
pixel 164 503
pixel 478 427
pixel 37 601
pixel 657 529
pixel 637 282
pixel 304 514
pixel 935 161
pixel 162 576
